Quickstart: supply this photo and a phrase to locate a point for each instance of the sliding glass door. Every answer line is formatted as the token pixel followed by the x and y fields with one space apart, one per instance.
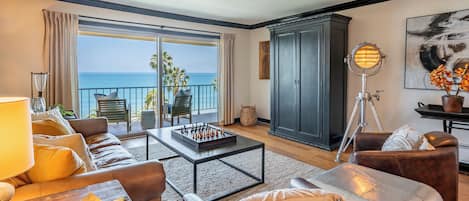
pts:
pixel 173 76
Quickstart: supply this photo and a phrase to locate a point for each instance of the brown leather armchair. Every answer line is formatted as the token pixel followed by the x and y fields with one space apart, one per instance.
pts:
pixel 438 168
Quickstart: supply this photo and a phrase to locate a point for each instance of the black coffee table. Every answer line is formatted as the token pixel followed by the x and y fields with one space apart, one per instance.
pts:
pixel 163 135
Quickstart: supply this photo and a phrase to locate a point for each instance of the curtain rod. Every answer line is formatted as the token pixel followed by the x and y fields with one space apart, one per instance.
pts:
pixel 153 25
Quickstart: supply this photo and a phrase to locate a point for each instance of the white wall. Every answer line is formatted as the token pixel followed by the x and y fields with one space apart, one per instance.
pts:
pixel 259 89
pixel 21 39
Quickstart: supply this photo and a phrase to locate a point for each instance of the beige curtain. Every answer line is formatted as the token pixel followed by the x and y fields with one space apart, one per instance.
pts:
pixel 226 95
pixel 60 57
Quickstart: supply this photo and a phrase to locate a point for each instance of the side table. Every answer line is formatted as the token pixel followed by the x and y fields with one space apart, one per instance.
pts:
pixel 106 191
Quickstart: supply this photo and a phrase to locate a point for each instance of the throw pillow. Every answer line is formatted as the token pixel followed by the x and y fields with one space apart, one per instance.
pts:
pixel 406 138
pixel 56 116
pixel 48 127
pixel 54 162
pixel 112 95
pixel 75 142
pixel 184 92
pixel 295 195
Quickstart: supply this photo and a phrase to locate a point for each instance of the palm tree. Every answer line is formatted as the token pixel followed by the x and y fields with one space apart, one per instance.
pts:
pixel 173 76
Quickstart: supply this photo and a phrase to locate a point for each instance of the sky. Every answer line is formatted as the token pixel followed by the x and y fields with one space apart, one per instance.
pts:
pixel 105 54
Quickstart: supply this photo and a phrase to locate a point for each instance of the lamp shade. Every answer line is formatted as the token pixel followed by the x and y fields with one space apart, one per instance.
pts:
pixel 16 141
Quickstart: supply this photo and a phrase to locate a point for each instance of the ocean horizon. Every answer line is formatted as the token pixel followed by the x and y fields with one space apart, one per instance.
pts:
pixel 134 79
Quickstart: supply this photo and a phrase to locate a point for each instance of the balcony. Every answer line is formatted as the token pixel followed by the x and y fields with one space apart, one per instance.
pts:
pixel 204 104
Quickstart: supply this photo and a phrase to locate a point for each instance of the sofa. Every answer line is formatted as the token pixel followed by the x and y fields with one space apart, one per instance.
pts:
pixel 437 168
pixel 143 181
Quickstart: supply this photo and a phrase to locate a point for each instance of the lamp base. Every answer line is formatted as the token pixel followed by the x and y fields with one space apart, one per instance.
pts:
pixel 6 191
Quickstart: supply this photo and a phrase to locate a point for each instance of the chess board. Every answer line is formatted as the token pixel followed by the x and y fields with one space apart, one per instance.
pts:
pixel 203 136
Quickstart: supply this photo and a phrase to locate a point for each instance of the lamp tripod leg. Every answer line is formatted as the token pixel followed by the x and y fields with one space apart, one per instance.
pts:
pixel 342 147
pixel 375 115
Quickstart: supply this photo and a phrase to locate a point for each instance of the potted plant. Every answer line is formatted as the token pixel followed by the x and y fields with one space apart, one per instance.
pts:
pixel 451 81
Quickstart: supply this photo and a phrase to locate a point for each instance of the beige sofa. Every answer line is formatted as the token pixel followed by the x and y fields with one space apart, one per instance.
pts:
pixel 143 181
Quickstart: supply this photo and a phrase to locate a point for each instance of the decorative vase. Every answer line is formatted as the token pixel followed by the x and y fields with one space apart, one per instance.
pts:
pixel 452 103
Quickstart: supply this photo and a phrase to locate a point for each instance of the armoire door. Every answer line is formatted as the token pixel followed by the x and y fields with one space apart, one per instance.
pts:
pixel 285 77
pixel 310 98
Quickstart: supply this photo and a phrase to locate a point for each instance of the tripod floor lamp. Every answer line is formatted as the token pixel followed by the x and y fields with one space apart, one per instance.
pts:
pixel 365 60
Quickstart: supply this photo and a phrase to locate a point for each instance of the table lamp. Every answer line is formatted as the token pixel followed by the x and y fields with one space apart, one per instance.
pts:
pixel 16 141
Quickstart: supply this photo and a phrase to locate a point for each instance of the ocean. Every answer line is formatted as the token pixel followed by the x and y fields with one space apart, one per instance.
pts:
pixel 134 87
pixel 106 80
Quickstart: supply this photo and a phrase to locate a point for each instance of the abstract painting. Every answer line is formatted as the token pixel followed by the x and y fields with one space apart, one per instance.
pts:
pixel 434 40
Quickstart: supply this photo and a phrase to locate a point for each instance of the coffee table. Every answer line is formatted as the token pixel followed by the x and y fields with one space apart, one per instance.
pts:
pixel 163 135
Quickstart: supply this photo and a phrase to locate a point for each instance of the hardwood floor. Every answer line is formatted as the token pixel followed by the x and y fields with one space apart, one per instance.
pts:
pixel 308 154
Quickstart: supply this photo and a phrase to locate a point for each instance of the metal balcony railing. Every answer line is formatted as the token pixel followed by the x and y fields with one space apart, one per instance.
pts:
pixel 204 98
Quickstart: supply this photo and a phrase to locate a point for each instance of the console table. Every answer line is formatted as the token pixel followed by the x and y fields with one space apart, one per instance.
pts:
pixel 106 191
pixel 450 120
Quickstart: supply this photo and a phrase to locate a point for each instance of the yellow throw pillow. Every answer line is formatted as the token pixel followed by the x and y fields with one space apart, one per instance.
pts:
pixel 49 127
pixel 54 162
pixel 55 115
pixel 75 142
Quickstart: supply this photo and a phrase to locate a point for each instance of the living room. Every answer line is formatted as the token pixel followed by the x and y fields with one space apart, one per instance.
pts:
pixel 280 92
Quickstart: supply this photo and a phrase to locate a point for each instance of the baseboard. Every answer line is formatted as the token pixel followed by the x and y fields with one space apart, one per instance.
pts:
pixel 259 120
pixel 464 168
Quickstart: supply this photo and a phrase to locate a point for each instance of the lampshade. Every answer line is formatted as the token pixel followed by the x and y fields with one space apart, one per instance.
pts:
pixel 16 141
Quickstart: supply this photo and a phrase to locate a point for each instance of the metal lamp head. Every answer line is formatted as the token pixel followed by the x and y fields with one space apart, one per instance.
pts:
pixel 365 59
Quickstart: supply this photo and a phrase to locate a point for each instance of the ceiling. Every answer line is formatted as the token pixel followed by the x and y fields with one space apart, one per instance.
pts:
pixel 236 11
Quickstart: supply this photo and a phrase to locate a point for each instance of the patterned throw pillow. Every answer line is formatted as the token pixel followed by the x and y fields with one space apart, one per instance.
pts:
pixel 406 138
pixel 55 115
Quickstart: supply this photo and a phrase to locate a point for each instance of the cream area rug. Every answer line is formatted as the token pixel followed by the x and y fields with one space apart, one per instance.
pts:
pixel 215 178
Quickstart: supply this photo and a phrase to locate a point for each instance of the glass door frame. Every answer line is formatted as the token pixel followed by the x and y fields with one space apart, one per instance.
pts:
pixel 160 71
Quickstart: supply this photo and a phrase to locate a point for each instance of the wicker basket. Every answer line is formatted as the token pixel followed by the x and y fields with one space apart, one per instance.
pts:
pixel 248 116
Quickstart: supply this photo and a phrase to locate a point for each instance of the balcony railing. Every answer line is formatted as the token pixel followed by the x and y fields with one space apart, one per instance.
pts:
pixel 204 98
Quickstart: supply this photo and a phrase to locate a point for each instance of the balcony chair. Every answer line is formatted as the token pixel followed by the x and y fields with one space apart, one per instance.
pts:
pixel 115 110
pixel 182 106
pixel 437 168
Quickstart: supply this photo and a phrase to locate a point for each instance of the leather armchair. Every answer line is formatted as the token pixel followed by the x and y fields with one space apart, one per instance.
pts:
pixel 438 168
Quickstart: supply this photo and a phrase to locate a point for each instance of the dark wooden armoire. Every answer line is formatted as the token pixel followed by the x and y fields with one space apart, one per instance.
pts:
pixel 309 79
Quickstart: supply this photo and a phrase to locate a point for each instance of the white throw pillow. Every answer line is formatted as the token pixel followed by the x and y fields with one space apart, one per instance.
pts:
pixel 55 115
pixel 406 138
pixel 295 194
pixel 73 141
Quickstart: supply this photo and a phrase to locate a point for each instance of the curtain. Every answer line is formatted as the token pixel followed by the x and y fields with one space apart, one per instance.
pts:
pixel 60 57
pixel 226 94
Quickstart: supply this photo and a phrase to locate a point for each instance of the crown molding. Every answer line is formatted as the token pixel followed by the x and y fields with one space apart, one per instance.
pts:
pixel 162 14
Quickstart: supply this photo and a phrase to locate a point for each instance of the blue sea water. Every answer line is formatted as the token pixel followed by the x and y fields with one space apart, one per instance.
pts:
pixel 134 87
pixel 132 79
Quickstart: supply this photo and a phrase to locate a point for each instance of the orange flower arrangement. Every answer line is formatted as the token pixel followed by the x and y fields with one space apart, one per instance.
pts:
pixel 445 79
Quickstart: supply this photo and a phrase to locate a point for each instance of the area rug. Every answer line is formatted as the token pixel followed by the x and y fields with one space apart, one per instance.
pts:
pixel 215 178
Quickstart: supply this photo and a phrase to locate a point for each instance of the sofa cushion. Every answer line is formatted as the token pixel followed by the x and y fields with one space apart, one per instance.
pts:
pixel 120 163
pixel 72 141
pixel 108 156
pixel 102 140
